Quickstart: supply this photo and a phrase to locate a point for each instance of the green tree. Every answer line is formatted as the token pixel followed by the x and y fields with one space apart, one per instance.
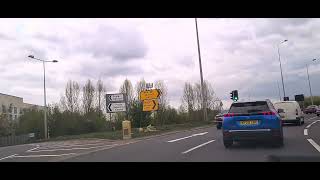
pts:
pixel 32 122
pixel 316 100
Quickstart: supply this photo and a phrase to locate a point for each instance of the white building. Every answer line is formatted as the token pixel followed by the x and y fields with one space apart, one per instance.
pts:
pixel 14 107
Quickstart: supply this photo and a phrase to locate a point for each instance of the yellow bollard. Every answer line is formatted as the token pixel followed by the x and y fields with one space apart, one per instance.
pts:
pixel 126 129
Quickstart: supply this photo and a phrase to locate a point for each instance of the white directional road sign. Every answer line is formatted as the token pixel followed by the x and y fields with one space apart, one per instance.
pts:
pixel 116 107
pixel 115 97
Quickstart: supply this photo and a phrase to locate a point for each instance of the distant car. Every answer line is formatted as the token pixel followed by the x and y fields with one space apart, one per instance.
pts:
pixel 310 109
pixel 290 112
pixel 219 118
pixel 256 120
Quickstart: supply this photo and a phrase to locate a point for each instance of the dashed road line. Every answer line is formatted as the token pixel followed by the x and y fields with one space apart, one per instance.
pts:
pixel 199 134
pixel 314 144
pixel 33 148
pixel 77 145
pixel 44 155
pixel 11 156
pixel 305 132
pixel 312 123
pixel 50 150
pixel 198 146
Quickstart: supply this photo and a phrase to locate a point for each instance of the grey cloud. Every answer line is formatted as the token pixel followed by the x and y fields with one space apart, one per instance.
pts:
pixel 278 26
pixel 187 61
pixel 5 37
pixel 94 70
pixel 119 44
pixel 50 38
pixel 37 52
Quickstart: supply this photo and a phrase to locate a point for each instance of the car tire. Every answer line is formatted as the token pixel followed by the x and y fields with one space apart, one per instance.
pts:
pixel 299 122
pixel 227 143
pixel 318 114
pixel 219 126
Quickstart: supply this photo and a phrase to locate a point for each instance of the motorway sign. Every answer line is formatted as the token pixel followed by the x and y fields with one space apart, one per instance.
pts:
pixel 115 97
pixel 116 107
pixel 149 94
pixel 150 105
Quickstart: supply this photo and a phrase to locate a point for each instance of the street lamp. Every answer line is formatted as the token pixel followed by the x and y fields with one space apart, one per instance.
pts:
pixel 309 82
pixel 284 92
pixel 44 90
pixel 204 104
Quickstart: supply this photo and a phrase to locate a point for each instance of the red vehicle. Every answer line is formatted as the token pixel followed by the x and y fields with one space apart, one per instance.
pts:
pixel 311 109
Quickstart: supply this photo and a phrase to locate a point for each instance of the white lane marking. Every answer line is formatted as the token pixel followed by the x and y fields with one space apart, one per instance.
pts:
pixel 312 118
pixel 314 144
pixel 199 134
pixel 197 147
pixel 76 145
pixel 44 155
pixel 305 132
pixel 33 148
pixel 11 156
pixel 71 148
pixel 312 123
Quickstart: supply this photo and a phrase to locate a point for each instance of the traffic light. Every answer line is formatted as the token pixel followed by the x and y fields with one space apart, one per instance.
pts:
pixel 231 95
pixel 234 95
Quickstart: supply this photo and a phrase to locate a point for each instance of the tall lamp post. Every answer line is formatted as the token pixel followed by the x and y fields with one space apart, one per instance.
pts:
pixel 309 82
pixel 284 92
pixel 204 104
pixel 44 91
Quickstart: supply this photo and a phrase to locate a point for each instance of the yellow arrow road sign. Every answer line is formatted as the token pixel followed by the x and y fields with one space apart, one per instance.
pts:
pixel 150 105
pixel 149 94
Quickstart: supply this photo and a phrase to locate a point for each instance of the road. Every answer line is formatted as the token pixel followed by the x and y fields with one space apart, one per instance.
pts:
pixel 301 143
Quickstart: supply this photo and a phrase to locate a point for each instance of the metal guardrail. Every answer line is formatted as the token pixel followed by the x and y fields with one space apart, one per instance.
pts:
pixel 15 140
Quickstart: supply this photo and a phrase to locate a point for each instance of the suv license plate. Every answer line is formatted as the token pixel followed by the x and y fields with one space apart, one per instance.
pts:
pixel 251 122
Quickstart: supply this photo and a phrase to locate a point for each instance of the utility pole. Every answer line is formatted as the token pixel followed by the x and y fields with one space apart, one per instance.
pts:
pixel 309 85
pixel 204 105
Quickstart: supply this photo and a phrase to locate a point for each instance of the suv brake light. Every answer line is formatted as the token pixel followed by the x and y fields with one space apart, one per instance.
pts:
pixel 269 113
pixel 228 115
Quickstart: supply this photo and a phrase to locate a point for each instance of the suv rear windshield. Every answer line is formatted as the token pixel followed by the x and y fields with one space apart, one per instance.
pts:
pixel 249 107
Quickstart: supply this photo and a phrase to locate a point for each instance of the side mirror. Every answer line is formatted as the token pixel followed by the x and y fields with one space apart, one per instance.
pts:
pixel 280 111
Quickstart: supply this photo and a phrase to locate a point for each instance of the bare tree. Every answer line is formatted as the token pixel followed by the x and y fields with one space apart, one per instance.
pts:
pixel 101 91
pixel 188 98
pixel 127 89
pixel 70 100
pixel 163 99
pixel 88 96
pixel 140 86
pixel 198 96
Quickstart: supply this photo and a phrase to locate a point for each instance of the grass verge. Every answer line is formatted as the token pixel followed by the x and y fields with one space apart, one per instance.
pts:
pixel 117 135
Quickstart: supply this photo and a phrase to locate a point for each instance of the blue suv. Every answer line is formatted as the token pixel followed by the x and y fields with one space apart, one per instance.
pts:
pixel 252 121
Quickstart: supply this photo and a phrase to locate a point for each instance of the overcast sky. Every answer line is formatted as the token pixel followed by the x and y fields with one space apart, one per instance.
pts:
pixel 236 54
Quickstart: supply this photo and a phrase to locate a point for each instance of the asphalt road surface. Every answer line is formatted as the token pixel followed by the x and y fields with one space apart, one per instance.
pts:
pixel 301 143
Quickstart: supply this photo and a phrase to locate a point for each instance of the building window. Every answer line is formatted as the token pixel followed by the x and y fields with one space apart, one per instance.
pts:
pixel 15 117
pixel 15 110
pixel 10 116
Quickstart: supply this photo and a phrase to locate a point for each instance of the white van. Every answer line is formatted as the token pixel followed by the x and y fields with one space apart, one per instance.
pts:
pixel 290 112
